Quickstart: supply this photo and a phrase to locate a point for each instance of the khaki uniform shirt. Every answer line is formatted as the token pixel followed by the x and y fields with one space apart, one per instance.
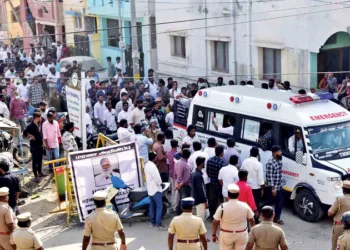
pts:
pixel 267 236
pixel 187 227
pixel 25 239
pixel 344 241
pixel 101 225
pixel 7 216
pixel 235 215
pixel 340 206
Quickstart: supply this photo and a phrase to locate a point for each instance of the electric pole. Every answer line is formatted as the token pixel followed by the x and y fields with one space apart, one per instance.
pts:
pixel 121 42
pixel 134 38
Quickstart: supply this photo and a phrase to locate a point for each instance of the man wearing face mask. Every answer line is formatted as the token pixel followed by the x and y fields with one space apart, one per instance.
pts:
pixel 274 182
pixel 10 73
pixel 52 137
pixel 105 177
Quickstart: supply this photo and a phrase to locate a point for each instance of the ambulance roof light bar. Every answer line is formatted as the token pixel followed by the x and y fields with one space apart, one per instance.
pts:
pixel 312 97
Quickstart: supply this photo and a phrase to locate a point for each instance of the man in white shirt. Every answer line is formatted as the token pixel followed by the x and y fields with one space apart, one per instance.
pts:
pixel 125 113
pixel 59 50
pixel 142 141
pixel 124 135
pixel 169 119
pixel 298 140
pixel 45 68
pixel 31 73
pixel 110 119
pixel 118 65
pixel 256 175
pixel 23 90
pixel 104 178
pixel 210 150
pixel 4 111
pixel 197 147
pixel 86 81
pixel 119 105
pixel 52 78
pixel 228 175
pixel 39 56
pixel 10 73
pixel 154 190
pixel 99 110
pixel 153 87
pixel 137 114
pixel 38 67
pixel 224 130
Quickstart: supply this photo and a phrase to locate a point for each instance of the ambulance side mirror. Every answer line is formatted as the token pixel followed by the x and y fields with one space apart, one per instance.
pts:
pixel 300 157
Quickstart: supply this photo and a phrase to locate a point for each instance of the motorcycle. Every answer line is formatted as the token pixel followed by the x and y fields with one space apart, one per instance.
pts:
pixel 20 153
pixel 139 200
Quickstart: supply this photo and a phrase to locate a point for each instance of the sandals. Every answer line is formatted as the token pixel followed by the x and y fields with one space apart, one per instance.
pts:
pixel 280 222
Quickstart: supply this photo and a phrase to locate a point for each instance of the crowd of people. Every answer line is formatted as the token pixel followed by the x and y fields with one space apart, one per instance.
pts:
pixel 213 179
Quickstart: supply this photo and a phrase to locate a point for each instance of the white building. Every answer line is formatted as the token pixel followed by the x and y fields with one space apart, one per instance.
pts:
pixel 285 39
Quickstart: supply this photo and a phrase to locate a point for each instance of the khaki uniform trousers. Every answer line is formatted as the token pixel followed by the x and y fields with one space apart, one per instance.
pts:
pixel 188 246
pixel 108 247
pixel 337 231
pixel 5 242
pixel 233 241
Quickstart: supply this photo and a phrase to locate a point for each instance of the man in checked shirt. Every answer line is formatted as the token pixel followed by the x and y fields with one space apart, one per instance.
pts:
pixel 274 182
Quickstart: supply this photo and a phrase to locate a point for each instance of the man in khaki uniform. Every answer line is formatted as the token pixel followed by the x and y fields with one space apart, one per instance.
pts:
pixel 339 207
pixel 7 220
pixel 266 235
pixel 344 240
pixel 102 225
pixel 189 229
pixel 24 238
pixel 232 217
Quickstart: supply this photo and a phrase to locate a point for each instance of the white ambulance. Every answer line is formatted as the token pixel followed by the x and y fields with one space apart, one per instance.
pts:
pixel 313 167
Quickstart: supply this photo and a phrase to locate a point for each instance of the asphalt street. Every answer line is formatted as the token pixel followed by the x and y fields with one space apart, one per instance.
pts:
pixel 300 235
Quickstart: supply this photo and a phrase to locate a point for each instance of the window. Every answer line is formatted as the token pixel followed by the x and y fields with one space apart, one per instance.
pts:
pixel 271 63
pixel 45 10
pixel 90 24
pixel 15 14
pixel 113 33
pixel 178 46
pixel 220 123
pixel 221 56
pixel 291 139
pixel 257 131
pixel 78 23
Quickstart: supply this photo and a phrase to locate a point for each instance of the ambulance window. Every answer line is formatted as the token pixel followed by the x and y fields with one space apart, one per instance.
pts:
pixel 291 140
pixel 265 137
pixel 250 130
pixel 222 123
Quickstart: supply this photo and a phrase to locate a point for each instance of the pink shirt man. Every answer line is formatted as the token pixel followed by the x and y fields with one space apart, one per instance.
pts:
pixel 51 133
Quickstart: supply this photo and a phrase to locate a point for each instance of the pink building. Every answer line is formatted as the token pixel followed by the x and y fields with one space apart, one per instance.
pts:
pixel 42 21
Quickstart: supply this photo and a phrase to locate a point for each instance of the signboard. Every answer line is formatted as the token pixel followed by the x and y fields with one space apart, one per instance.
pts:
pixel 91 171
pixel 180 113
pixel 74 104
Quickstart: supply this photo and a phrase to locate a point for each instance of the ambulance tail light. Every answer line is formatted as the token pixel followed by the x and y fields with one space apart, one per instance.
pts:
pixel 301 99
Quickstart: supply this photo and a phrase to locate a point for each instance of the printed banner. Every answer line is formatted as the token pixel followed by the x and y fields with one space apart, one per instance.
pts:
pixel 74 109
pixel 91 171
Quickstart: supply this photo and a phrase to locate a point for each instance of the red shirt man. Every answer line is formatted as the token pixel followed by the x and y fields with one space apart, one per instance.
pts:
pixel 245 191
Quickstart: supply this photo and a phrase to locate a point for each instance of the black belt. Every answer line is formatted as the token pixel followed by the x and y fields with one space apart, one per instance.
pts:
pixel 103 244
pixel 187 241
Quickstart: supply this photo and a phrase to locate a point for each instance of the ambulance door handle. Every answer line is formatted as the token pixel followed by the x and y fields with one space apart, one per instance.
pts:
pixel 312 174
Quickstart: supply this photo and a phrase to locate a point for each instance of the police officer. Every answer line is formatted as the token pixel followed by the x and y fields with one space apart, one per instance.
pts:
pixel 266 235
pixel 8 220
pixel 232 217
pixel 339 207
pixel 344 240
pixel 101 225
pixel 24 238
pixel 189 229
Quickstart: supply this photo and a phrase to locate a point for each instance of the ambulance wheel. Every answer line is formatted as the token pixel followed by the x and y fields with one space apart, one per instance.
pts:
pixel 307 206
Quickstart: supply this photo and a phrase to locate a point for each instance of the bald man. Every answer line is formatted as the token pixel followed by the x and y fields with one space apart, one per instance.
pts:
pixel 104 178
